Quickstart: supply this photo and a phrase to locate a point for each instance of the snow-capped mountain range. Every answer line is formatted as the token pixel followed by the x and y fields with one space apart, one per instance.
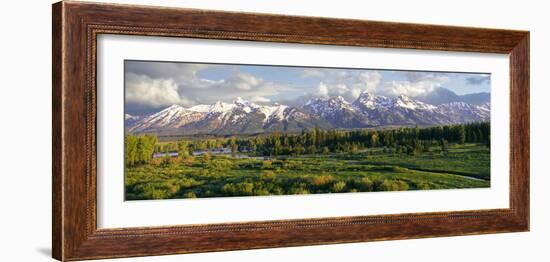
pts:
pixel 245 117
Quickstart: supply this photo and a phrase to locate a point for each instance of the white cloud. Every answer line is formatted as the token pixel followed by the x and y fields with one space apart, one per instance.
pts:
pixel 355 92
pixel 176 71
pixel 260 99
pixel 349 84
pixel 211 82
pixel 142 89
pixel 418 84
pixel 157 84
pixel 244 81
pixel 340 89
pixel 323 89
pixel 370 81
pixel 312 73
pixel 419 76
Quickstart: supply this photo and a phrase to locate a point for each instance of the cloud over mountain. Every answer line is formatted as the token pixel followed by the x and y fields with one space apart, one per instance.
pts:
pixel 144 90
pixel 151 86
pixel 156 84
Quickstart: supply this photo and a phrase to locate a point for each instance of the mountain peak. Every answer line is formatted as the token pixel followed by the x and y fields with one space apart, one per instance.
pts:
pixel 404 101
pixel 365 94
pixel 172 109
pixel 314 100
pixel 245 105
pixel 174 106
pixel 242 116
pixel 340 99
pixel 404 97
pixel 364 98
pixel 328 106
pixel 220 107
pixel 368 100
pixel 339 102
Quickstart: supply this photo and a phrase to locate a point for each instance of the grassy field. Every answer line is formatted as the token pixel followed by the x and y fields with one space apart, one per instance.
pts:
pixel 463 166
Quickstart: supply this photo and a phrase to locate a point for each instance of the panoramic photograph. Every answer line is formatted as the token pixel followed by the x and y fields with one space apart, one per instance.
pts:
pixel 200 130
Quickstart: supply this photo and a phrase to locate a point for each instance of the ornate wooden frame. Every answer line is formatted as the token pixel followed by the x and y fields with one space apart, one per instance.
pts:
pixel 76 26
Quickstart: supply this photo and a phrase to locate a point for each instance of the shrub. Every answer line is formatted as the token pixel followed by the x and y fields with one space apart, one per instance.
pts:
pixel 322 180
pixel 365 184
pixel 173 188
pixel 188 160
pixel 157 194
pixel 207 157
pixel 188 182
pixel 339 186
pixel 245 188
pixel 278 190
pixel 278 163
pixel 190 195
pixel 267 164
pixel 261 192
pixel 393 185
pixel 268 175
pixel 229 188
pixel 220 164
pixel 410 150
pixel 239 189
pixel 399 169
pixel 402 185
pixel 423 186
pixel 293 164
pixel 204 172
pixel 166 161
pixel 298 191
pixel 156 161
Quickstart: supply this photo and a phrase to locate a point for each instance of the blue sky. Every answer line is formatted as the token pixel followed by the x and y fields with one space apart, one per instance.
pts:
pixel 460 83
pixel 159 84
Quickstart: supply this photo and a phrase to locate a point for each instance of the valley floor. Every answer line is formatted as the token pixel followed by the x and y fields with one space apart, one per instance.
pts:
pixel 371 170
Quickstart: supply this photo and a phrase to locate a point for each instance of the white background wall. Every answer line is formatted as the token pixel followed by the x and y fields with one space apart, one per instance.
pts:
pixel 25 132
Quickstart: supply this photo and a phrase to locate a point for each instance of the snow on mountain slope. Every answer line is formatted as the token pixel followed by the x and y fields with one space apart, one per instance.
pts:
pixel 406 102
pixel 328 106
pixel 240 116
pixel 461 112
pixel 337 111
pixel 130 119
pixel 367 100
pixel 273 112
pixel 367 110
pixel 174 116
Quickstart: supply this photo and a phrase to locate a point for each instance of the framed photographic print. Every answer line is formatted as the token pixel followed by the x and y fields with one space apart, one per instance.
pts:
pixel 182 130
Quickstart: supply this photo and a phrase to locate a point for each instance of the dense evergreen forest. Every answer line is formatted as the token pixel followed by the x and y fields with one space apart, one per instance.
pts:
pixel 140 149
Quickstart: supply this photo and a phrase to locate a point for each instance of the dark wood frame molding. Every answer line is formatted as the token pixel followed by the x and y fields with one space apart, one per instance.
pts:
pixel 76 26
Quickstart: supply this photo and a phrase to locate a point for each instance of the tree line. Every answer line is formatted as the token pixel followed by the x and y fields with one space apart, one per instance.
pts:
pixel 139 149
pixel 411 140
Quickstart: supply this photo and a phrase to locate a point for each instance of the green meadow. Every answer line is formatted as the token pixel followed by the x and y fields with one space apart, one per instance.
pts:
pixel 363 169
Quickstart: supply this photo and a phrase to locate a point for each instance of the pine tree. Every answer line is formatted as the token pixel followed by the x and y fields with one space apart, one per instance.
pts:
pixel 374 139
pixel 444 145
pixel 461 134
